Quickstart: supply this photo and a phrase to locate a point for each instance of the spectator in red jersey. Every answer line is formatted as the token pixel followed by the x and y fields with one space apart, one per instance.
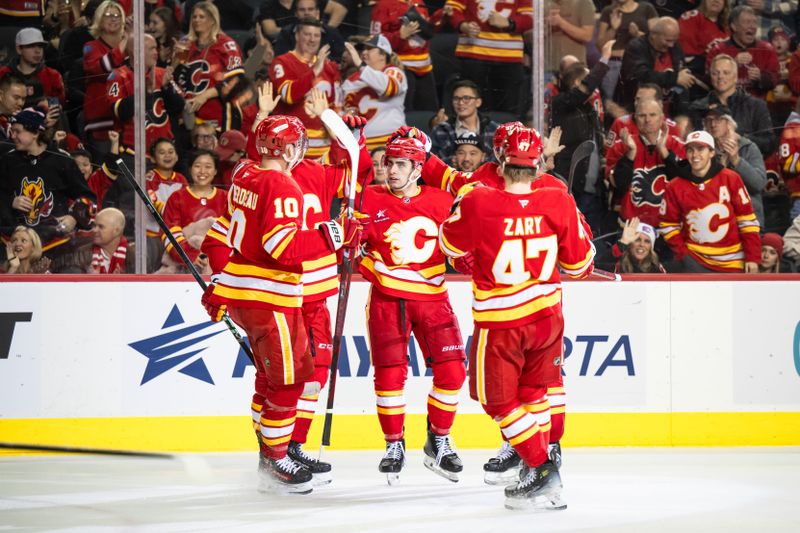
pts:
pixel 83 159
pixel 163 25
pixel 707 216
pixel 286 41
pixel 701 28
pixel 771 253
pixel 621 21
pixel 646 91
pixel 21 13
pixel 205 70
pixel 636 164
pixel 405 25
pixel 190 213
pixel 294 75
pixel 24 253
pixel 751 114
pixel 231 147
pixel 100 56
pixel 740 154
pixel 635 249
pixel 41 80
pixel 757 61
pixel 12 100
pixel 657 58
pixel 490 47
pixel 789 161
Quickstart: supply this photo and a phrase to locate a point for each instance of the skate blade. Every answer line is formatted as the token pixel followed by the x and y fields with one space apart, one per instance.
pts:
pixel 269 485
pixel 541 502
pixel 509 477
pixel 430 464
pixel 323 478
pixel 393 478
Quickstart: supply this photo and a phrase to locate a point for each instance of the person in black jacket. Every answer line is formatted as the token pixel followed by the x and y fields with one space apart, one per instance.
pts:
pixel 657 58
pixel 41 189
pixel 573 109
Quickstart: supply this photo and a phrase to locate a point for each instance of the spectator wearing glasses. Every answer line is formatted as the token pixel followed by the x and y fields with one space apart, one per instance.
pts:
pixel 466 102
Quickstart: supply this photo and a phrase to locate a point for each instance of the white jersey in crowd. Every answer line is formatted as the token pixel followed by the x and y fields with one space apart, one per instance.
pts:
pixel 377 95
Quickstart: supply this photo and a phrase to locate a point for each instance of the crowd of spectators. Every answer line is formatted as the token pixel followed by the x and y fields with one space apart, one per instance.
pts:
pixel 634 77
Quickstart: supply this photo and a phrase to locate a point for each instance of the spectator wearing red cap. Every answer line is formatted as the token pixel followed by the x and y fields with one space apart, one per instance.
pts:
pixel 231 147
pixel 771 253
pixel 707 216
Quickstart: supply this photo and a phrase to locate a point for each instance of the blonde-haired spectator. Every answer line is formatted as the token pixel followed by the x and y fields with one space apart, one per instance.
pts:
pixel 24 253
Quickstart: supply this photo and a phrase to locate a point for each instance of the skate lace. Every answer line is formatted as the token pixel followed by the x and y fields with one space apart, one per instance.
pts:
pixel 506 452
pixel 288 465
pixel 394 450
pixel 300 452
pixel 445 447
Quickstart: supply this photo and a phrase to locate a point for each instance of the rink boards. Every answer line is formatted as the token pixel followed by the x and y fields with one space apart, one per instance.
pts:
pixel 136 365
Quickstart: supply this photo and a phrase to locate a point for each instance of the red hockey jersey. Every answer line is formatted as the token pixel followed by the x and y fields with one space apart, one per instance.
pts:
pixel 402 258
pixel 712 221
pixel 491 44
pixel 156 119
pixel 762 56
pixel 208 68
pixel 293 78
pixel 264 227
pixel 159 188
pixel 413 52
pixel 627 121
pixel 789 155
pixel 44 81
pixel 643 197
pixel 99 59
pixel 184 208
pixel 518 241
pixel 698 33
pixel 22 8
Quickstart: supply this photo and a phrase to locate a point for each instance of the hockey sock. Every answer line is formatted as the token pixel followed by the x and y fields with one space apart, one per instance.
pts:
pixel 535 402
pixel 277 418
pixel 390 401
pixel 307 405
pixel 558 412
pixel 448 377
pixel 521 430
pixel 258 400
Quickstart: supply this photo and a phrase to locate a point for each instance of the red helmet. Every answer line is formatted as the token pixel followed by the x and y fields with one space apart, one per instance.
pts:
pixel 523 148
pixel 501 135
pixel 274 134
pixel 407 148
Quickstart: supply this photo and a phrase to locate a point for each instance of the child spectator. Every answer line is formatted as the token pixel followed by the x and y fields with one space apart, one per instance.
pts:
pixel 161 183
pixel 635 249
pixel 24 253
pixel 191 211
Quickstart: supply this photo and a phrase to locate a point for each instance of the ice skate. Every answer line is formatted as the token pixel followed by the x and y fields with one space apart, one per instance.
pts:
pixel 554 453
pixel 320 470
pixel 284 476
pixel 502 469
pixel 393 460
pixel 441 457
pixel 538 489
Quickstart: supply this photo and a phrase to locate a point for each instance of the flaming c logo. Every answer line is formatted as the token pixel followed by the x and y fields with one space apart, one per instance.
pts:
pixel 42 201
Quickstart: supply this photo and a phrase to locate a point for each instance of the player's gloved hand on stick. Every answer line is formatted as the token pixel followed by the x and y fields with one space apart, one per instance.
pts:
pixel 342 233
pixel 464 264
pixel 215 311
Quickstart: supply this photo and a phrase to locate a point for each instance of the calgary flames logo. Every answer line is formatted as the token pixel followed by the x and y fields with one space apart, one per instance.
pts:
pixel 42 200
pixel 402 236
pixel 647 186
pixel 193 77
pixel 708 224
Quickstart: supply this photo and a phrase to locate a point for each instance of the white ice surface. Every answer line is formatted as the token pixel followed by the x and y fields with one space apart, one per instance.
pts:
pixel 609 490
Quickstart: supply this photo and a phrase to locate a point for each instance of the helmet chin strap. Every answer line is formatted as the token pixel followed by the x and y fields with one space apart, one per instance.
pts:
pixel 417 170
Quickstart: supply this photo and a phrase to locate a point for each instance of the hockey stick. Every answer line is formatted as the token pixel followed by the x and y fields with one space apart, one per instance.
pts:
pixel 604 274
pixel 185 258
pixel 583 151
pixel 345 136
pixel 87 451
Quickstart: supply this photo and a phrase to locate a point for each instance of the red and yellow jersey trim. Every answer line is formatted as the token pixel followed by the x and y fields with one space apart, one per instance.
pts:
pixel 427 283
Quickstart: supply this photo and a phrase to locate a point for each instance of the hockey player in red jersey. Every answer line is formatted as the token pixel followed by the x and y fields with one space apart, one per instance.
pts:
pixel 320 184
pixel 406 269
pixel 707 217
pixel 260 283
pixel 518 237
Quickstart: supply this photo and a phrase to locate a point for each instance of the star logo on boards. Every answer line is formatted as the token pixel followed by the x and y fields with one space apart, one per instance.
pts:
pixel 178 348
pixel 524 203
